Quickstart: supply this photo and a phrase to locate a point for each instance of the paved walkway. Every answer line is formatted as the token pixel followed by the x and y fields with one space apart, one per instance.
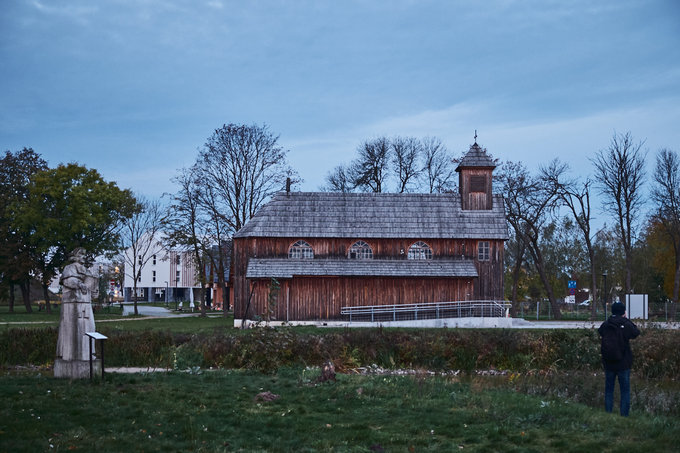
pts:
pixel 150 310
pixel 518 323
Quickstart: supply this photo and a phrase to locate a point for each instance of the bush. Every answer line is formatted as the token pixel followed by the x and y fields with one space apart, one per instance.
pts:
pixel 28 346
pixel 267 349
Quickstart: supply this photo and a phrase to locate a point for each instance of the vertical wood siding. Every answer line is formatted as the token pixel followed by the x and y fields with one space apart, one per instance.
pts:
pixel 475 200
pixel 322 297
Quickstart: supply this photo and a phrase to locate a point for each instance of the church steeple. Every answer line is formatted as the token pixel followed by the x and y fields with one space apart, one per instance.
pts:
pixel 475 178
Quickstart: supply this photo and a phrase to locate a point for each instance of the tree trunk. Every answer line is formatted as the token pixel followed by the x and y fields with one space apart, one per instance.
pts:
pixel 225 299
pixel 516 271
pixel 676 288
pixel 593 291
pixel 203 306
pixel 26 295
pixel 223 284
pixel 134 295
pixel 629 275
pixel 46 295
pixel 540 266
pixel 11 297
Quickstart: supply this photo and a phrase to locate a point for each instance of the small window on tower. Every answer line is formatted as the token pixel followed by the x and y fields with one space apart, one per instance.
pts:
pixel 477 183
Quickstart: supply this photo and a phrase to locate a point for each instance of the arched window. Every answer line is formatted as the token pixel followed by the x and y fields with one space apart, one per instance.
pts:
pixel 360 251
pixel 420 251
pixel 301 250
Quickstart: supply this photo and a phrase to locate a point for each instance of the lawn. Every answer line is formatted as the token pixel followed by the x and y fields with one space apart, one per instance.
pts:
pixel 548 399
pixel 21 316
pixel 112 318
pixel 215 411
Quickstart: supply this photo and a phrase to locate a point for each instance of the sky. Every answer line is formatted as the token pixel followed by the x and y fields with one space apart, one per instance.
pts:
pixel 134 88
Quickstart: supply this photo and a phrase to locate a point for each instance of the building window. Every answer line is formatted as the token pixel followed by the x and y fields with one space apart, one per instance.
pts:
pixel 477 183
pixel 420 251
pixel 177 260
pixel 139 260
pixel 154 260
pixel 360 251
pixel 153 276
pixel 483 251
pixel 301 250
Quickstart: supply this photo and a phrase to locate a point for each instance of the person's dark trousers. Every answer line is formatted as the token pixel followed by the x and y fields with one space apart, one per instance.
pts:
pixel 624 387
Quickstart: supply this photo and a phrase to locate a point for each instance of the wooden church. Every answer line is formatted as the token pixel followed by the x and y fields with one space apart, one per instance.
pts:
pixel 328 250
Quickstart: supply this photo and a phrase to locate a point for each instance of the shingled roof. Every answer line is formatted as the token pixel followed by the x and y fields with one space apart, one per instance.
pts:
pixel 476 157
pixel 374 215
pixel 288 268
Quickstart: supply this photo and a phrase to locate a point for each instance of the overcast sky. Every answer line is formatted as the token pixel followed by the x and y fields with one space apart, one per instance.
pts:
pixel 134 87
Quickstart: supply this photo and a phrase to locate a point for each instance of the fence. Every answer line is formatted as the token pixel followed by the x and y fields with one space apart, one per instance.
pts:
pixel 658 311
pixel 431 310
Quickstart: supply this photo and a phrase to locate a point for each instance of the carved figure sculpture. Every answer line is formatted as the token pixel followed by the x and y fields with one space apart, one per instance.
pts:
pixel 73 346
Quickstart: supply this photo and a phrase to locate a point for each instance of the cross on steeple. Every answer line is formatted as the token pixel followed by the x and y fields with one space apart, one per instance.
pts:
pixel 475 135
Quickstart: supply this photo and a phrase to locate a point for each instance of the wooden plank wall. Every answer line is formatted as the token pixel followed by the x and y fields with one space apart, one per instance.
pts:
pixel 314 297
pixel 322 298
pixel 476 200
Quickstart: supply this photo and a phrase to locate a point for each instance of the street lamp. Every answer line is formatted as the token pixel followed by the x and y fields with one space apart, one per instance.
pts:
pixel 166 294
pixel 604 296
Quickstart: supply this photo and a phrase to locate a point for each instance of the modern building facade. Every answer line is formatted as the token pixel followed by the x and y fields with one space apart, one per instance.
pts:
pixel 167 276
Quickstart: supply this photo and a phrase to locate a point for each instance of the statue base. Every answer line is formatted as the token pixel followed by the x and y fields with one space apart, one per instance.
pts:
pixel 77 369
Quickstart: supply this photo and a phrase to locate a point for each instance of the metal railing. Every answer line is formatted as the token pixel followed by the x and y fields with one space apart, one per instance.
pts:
pixel 430 310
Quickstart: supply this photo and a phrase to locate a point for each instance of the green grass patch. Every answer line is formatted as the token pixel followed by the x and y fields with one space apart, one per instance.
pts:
pixel 40 318
pixel 188 324
pixel 218 411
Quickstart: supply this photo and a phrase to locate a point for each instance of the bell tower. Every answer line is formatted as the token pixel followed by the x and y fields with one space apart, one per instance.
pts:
pixel 475 179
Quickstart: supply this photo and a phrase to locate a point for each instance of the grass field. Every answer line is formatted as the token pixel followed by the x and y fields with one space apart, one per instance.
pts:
pixel 112 318
pixel 550 400
pixel 214 411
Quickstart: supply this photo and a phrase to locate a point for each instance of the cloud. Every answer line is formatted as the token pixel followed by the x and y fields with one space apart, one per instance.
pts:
pixel 534 141
pixel 77 13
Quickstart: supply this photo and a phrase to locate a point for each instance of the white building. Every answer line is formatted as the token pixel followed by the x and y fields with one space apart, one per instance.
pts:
pixel 166 276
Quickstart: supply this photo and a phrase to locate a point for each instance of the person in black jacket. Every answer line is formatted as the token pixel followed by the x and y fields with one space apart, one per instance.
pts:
pixel 620 369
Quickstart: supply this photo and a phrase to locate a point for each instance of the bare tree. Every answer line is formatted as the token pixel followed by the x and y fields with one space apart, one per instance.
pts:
pixel 620 174
pixel 238 169
pixel 576 197
pixel 415 164
pixel 666 196
pixel 218 231
pixel 405 156
pixel 438 170
pixel 244 166
pixel 514 179
pixel 371 167
pixel 529 202
pixel 140 239
pixel 339 180
pixel 185 222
